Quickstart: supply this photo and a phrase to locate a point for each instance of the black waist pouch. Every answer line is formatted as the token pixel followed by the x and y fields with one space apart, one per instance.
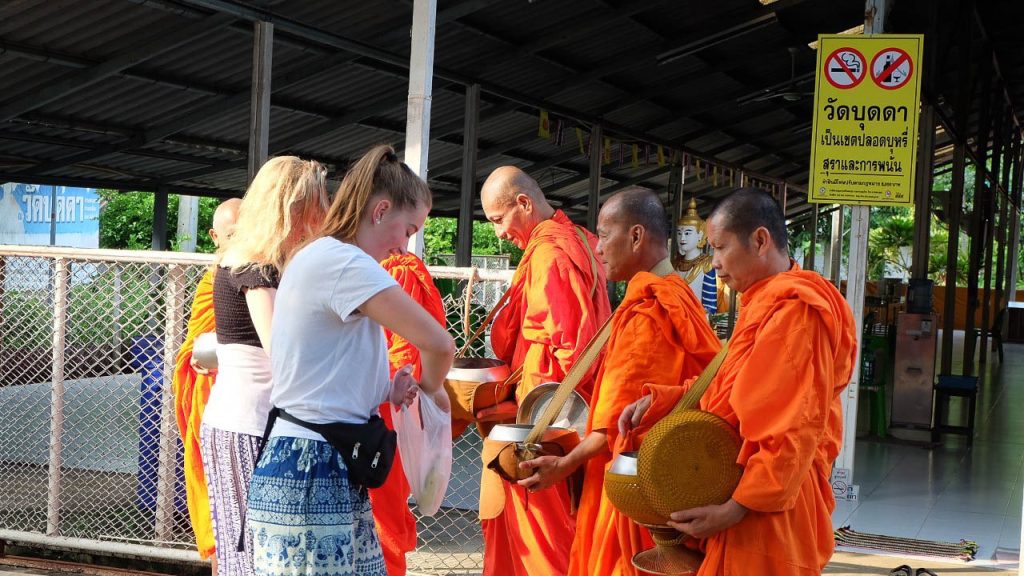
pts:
pixel 368 449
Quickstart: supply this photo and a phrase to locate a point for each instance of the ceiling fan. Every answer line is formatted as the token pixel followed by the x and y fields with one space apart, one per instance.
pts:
pixel 790 92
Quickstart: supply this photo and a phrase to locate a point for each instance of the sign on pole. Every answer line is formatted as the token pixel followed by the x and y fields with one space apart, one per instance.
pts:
pixel 865 120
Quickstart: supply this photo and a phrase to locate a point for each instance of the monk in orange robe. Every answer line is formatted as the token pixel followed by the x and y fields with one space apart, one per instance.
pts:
pixel 558 301
pixel 660 334
pixel 191 384
pixel 789 360
pixel 396 525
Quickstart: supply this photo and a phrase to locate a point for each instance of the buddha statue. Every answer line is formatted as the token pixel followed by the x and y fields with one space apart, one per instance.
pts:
pixel 693 260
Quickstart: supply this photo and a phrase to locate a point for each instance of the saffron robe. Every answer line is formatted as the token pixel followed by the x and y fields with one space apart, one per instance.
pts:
pixel 789 360
pixel 396 525
pixel 558 301
pixel 660 335
pixel 191 392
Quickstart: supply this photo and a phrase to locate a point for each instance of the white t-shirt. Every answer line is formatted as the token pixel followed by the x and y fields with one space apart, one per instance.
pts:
pixel 329 361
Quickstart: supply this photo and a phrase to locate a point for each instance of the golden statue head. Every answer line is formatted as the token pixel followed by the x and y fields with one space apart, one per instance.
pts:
pixel 690 229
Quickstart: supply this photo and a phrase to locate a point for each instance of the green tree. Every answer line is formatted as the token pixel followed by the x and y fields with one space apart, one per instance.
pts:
pixel 126 220
pixel 440 237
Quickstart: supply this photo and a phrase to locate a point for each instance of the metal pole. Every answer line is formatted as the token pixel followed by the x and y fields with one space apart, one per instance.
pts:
pixel 259 106
pixel 991 199
pixel 809 263
pixel 188 223
pixel 60 315
pixel 166 461
pixel 1012 268
pixel 160 218
pixel 921 244
pixel 421 78
pixel 594 197
pixel 981 194
pixel 874 23
pixel 53 215
pixel 464 246
pixel 836 246
pixel 954 207
pixel 1009 150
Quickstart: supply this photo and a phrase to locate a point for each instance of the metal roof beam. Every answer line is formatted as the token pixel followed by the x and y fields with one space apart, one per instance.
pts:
pixel 37 97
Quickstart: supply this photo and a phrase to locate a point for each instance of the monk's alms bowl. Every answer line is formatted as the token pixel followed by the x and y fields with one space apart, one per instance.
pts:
pixel 474 384
pixel 573 414
pixel 622 485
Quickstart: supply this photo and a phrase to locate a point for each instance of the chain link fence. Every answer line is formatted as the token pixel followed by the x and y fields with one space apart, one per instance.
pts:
pixel 90 456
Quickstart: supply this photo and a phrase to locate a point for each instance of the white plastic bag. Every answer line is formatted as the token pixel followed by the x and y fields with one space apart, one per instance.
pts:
pixel 425 446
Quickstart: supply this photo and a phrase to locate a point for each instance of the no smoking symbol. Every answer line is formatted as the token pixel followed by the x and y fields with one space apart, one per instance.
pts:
pixel 844 68
pixel 891 68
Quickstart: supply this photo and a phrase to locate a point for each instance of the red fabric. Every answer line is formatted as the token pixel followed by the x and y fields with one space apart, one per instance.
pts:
pixel 660 335
pixel 191 392
pixel 788 363
pixel 550 317
pixel 396 525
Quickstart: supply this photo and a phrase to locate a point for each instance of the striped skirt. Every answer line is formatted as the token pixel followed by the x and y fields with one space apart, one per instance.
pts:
pixel 304 517
pixel 228 461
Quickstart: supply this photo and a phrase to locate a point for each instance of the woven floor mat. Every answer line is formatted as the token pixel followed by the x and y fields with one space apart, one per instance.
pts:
pixel 962 550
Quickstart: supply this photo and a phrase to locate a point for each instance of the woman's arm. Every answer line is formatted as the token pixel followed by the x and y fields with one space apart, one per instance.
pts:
pixel 261 309
pixel 396 311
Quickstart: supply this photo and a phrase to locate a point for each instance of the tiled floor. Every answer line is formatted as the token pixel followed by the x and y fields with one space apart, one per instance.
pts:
pixel 952 491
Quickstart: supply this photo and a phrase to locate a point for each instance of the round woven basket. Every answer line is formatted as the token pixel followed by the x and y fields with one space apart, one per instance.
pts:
pixel 624 493
pixel 688 460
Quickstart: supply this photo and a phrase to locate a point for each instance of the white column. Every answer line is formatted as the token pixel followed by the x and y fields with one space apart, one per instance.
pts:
pixel 421 77
pixel 188 223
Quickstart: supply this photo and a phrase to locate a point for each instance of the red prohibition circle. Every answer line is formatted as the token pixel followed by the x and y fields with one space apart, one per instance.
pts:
pixel 903 55
pixel 835 55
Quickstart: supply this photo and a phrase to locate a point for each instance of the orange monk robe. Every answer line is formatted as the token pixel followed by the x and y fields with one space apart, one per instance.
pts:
pixel 191 391
pixel 660 335
pixel 558 301
pixel 396 525
pixel 790 357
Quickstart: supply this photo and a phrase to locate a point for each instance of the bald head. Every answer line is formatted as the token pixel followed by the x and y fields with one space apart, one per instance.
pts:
pixel 224 218
pixel 745 210
pixel 506 182
pixel 514 203
pixel 639 206
pixel 632 232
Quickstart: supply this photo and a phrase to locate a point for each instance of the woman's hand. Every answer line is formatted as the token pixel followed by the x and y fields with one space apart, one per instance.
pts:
pixel 403 387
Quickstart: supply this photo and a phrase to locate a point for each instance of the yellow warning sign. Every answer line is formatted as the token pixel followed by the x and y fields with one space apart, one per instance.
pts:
pixel 865 119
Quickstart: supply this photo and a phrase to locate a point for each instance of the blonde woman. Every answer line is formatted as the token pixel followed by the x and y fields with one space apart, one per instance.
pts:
pixel 330 366
pixel 284 205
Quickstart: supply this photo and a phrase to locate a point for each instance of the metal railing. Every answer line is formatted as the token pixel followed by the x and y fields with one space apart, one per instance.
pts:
pixel 90 457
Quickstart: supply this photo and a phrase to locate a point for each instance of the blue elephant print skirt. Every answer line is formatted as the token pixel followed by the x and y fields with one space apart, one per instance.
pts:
pixel 304 516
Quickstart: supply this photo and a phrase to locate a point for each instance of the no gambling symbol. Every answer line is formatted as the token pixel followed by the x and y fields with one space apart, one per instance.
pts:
pixel 844 68
pixel 891 68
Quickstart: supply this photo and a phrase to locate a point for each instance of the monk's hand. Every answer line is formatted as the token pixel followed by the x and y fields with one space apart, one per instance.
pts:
pixel 707 521
pixel 548 471
pixel 403 387
pixel 197 367
pixel 501 411
pixel 633 414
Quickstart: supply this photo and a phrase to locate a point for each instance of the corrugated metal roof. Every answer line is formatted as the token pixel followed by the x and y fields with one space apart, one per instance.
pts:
pixel 161 118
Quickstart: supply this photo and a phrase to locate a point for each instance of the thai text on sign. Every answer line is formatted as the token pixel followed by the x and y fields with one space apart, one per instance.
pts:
pixel 866 102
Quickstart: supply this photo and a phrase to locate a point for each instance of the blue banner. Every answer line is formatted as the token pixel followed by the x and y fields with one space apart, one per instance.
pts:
pixel 26 211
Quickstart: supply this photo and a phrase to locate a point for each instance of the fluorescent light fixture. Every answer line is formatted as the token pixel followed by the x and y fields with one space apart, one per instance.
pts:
pixel 859 29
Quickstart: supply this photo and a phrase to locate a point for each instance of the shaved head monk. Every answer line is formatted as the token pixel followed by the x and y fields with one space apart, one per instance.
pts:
pixel 660 334
pixel 557 302
pixel 192 385
pixel 789 359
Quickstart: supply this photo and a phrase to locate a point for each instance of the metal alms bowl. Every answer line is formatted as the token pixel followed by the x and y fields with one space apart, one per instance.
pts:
pixel 473 384
pixel 519 432
pixel 624 464
pixel 573 414
pixel 478 370
pixel 204 350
